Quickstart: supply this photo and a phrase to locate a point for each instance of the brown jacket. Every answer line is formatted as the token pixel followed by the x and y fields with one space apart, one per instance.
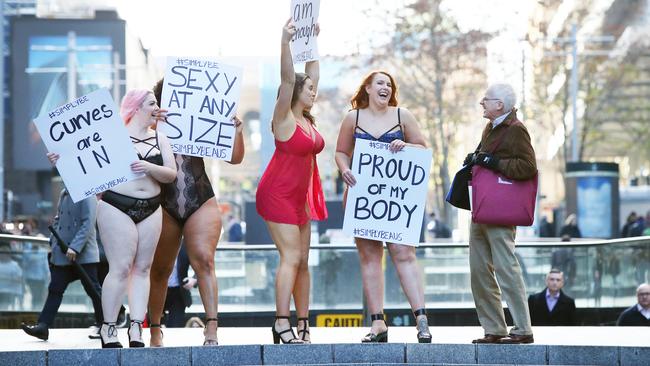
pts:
pixel 516 154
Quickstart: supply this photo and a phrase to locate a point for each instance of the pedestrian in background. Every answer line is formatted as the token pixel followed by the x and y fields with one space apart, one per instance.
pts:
pixel 75 223
pixel 570 227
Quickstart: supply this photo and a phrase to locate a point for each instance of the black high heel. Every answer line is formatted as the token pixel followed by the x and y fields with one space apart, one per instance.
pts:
pixel 161 334
pixel 376 338
pixel 277 336
pixel 424 336
pixel 135 344
pixel 304 330
pixel 111 332
pixel 210 341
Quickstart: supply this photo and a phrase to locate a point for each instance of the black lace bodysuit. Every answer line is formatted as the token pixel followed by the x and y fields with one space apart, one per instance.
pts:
pixel 189 190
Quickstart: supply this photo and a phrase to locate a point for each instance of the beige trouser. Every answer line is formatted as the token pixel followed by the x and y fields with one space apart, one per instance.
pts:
pixel 492 252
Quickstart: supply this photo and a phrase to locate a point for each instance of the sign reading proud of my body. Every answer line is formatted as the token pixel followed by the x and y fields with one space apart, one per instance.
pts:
pixel 387 203
pixel 304 15
pixel 201 96
pixel 94 146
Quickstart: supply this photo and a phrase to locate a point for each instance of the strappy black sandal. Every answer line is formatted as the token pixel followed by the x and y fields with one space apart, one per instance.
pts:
pixel 161 334
pixel 376 338
pixel 304 331
pixel 111 332
pixel 135 344
pixel 277 336
pixel 424 336
pixel 210 341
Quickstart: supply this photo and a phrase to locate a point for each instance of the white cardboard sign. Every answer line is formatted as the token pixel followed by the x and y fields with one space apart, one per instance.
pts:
pixel 94 146
pixel 304 15
pixel 387 203
pixel 202 96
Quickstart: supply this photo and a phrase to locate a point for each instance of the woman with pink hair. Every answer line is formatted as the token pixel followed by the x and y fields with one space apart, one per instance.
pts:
pixel 129 218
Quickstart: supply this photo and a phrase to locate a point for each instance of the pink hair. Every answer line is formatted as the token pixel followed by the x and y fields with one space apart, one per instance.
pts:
pixel 131 102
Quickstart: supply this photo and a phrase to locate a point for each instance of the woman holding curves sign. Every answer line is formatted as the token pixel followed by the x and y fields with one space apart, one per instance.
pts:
pixel 129 218
pixel 375 116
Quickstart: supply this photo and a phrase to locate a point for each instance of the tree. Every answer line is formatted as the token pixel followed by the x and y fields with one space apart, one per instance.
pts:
pixel 441 70
pixel 612 91
pixel 617 114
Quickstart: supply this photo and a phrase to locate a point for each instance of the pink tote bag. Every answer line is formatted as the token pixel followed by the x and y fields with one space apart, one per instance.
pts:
pixel 497 200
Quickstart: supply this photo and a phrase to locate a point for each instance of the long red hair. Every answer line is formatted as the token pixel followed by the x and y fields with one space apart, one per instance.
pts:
pixel 361 100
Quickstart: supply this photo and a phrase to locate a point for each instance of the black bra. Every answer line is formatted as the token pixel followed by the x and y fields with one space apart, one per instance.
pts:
pixel 153 159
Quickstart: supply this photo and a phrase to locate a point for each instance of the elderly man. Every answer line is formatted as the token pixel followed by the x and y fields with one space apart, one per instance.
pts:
pixel 505 148
pixel 639 314
pixel 552 306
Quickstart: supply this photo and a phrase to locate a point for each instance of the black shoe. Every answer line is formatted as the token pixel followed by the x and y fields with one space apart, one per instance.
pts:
pixel 379 337
pixel 304 331
pixel 277 335
pixel 424 336
pixel 112 332
pixel 94 332
pixel 40 330
pixel 135 344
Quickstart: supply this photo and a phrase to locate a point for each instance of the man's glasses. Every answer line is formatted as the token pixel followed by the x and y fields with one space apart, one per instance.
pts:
pixel 486 99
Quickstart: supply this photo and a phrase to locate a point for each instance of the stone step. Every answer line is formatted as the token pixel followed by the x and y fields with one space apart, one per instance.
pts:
pixel 337 354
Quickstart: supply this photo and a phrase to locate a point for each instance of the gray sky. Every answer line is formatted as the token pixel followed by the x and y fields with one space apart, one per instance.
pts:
pixel 253 27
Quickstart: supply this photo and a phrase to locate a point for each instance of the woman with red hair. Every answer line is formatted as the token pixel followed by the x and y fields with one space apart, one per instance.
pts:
pixel 376 116
pixel 129 218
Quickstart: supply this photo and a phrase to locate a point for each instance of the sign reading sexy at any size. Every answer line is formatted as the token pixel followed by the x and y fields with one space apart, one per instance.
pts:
pixel 94 146
pixel 201 96
pixel 387 203
pixel 304 15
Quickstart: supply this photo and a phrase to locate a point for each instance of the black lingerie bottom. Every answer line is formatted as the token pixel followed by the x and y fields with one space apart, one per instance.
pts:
pixel 137 209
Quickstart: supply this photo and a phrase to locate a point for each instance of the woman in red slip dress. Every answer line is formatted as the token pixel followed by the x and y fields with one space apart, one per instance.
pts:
pixel 289 194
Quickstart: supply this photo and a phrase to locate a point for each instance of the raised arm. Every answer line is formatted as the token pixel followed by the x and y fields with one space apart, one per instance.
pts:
pixel 287 77
pixel 312 68
pixel 238 149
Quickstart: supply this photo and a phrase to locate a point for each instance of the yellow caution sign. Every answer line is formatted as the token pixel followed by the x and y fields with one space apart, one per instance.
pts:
pixel 339 320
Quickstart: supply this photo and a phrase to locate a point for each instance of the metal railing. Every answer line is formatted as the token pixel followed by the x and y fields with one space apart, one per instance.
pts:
pixel 599 273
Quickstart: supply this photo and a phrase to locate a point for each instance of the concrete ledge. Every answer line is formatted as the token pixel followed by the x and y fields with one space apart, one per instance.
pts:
pixel 370 352
pixel 83 357
pixel 520 354
pixel 227 355
pixel 24 358
pixel 631 356
pixel 337 354
pixel 298 354
pixel 583 355
pixel 179 356
pixel 440 353
pixel 340 364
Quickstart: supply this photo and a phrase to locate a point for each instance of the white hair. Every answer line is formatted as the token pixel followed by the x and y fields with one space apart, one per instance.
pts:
pixel 505 93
